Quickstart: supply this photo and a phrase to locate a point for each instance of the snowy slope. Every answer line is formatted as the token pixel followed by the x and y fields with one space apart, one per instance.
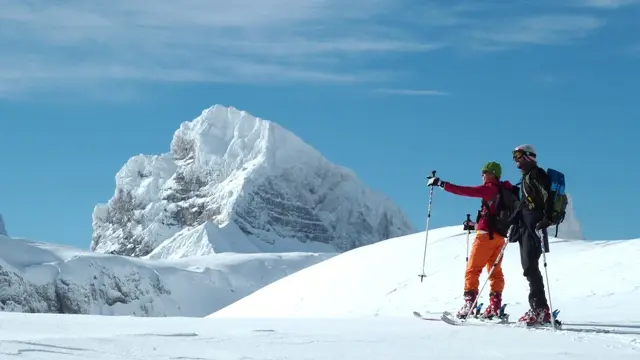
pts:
pixel 42 277
pixel 590 281
pixel 70 337
pixel 243 184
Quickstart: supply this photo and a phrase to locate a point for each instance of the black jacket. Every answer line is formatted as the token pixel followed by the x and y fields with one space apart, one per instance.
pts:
pixel 536 205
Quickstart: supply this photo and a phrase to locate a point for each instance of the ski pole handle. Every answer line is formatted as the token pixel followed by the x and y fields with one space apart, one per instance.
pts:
pixel 433 174
pixel 467 224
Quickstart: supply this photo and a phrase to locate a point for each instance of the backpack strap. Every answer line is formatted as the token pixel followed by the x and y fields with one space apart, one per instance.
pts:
pixel 484 205
pixel 491 218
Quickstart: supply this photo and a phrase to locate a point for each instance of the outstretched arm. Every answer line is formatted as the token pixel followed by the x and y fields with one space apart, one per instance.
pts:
pixel 482 191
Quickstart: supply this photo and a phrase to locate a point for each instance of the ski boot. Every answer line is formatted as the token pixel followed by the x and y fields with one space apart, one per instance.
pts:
pixel 536 316
pixel 467 310
pixel 495 308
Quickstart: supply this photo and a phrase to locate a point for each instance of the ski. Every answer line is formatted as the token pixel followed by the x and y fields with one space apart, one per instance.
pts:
pixel 595 328
pixel 422 317
pixel 451 319
pixel 476 319
pixel 476 312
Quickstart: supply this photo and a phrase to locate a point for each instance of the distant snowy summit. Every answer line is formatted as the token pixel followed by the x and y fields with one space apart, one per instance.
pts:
pixel 3 227
pixel 570 227
pixel 236 183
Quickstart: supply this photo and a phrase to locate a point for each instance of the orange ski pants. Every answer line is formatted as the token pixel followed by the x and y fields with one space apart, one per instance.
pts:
pixel 484 253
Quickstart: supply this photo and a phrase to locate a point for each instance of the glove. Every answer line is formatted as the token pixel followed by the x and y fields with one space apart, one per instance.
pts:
pixel 543 224
pixel 435 181
pixel 515 235
pixel 468 225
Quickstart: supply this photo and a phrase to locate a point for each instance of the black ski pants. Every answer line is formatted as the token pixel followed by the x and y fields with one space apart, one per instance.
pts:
pixel 525 234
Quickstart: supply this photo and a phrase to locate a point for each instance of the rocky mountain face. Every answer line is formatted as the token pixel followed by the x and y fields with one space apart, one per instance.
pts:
pixel 61 295
pixel 245 185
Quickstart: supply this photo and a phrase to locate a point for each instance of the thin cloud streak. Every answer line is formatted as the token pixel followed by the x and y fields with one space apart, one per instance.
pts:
pixel 608 4
pixel 412 92
pixel 540 30
pixel 57 44
pixel 199 40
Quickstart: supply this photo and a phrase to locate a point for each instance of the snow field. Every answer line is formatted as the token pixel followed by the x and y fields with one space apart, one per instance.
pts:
pixel 356 305
pixel 45 336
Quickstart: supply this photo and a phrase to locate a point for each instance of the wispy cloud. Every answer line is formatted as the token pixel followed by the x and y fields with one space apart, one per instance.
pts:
pixel 413 92
pixel 76 43
pixel 607 4
pixel 540 30
pixel 195 40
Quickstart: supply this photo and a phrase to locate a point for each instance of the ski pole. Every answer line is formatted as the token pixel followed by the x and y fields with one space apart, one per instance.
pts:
pixel 546 275
pixel 426 238
pixel 475 302
pixel 468 227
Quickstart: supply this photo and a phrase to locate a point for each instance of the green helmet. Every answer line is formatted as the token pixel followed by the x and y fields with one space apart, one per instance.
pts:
pixel 493 168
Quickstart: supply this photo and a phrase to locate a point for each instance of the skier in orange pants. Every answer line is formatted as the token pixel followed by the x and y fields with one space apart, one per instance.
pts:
pixel 489 239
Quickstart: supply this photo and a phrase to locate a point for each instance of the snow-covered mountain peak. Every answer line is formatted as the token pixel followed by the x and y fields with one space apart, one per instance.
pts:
pixel 221 136
pixel 570 228
pixel 3 227
pixel 227 139
pixel 263 187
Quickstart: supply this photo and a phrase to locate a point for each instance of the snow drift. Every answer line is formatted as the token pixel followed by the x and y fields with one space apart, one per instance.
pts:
pixel 39 277
pixel 592 280
pixel 245 185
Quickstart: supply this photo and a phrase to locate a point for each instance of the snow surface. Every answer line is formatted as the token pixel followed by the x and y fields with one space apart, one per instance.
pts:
pixel 242 184
pixel 44 277
pixel 357 305
pixel 46 336
pixel 590 281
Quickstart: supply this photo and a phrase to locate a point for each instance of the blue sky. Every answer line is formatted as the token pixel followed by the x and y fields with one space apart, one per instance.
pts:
pixel 389 88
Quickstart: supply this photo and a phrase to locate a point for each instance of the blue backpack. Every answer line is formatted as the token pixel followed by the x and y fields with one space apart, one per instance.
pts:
pixel 558 196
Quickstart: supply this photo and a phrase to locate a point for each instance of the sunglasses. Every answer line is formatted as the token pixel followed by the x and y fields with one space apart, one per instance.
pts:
pixel 517 154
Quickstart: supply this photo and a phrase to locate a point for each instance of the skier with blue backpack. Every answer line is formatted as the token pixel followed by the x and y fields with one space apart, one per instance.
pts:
pixel 543 204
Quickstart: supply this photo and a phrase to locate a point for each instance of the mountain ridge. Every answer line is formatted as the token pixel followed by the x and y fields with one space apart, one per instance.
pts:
pixel 41 277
